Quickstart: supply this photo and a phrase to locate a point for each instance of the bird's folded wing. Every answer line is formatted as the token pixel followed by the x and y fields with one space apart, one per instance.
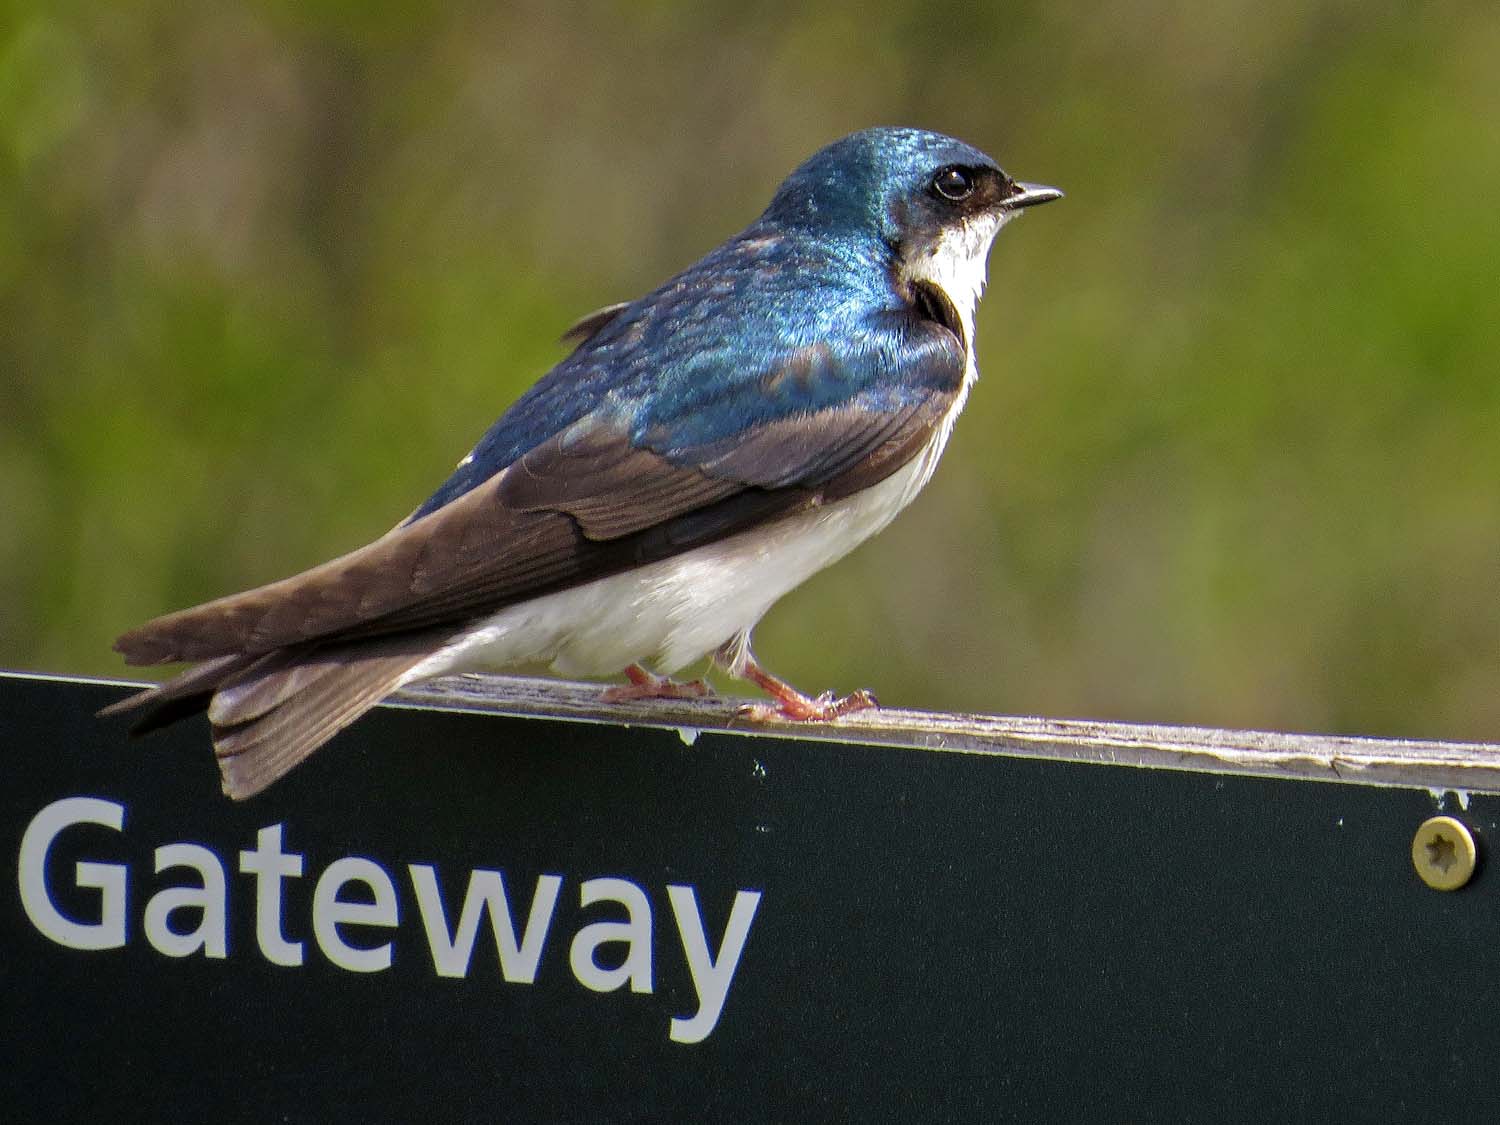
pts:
pixel 601 496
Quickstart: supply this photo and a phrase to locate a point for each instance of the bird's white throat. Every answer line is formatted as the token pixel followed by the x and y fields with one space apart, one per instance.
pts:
pixel 956 262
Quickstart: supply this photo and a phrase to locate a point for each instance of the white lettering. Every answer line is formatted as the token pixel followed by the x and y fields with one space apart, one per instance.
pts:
pixel 330 912
pixel 199 905
pixel 208 897
pixel 108 878
pixel 711 975
pixel 269 864
pixel 451 955
pixel 635 933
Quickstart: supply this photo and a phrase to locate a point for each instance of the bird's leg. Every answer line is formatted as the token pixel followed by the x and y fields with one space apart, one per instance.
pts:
pixel 790 703
pixel 645 684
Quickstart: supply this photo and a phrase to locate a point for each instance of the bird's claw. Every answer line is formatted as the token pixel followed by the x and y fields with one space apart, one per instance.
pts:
pixel 646 685
pixel 802 709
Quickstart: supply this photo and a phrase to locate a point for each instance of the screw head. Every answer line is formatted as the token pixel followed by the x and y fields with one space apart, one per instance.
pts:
pixel 1444 853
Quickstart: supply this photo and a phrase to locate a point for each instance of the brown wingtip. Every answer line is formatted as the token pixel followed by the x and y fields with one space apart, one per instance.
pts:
pixel 128 704
pixel 137 650
pixel 158 641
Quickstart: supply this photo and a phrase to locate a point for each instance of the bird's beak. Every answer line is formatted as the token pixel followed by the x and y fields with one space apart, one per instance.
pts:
pixel 1029 195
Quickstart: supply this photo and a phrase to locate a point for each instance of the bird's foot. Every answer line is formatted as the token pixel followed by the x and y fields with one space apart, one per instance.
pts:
pixel 647 685
pixel 791 704
pixel 801 708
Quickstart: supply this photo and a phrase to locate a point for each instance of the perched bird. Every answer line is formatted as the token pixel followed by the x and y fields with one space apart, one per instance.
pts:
pixel 702 451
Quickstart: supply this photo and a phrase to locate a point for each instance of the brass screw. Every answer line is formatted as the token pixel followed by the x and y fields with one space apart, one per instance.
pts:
pixel 1443 852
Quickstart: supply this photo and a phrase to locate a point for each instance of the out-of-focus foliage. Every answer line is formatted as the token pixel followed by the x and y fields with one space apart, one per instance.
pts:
pixel 267 270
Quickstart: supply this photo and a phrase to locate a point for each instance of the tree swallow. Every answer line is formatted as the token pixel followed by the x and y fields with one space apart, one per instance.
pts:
pixel 701 452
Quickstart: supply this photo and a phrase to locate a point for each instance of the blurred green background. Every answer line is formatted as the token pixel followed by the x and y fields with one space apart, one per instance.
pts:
pixel 267 270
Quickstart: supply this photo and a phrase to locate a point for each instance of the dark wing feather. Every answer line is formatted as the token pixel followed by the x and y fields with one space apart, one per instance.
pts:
pixel 610 487
pixel 585 326
pixel 474 548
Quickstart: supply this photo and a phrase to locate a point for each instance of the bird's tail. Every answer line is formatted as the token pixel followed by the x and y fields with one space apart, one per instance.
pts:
pixel 269 712
pixel 181 697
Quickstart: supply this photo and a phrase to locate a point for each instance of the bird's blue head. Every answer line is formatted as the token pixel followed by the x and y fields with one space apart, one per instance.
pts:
pixel 927 204
pixel 898 185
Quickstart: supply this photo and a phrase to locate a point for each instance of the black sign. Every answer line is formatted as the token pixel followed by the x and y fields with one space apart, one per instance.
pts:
pixel 462 917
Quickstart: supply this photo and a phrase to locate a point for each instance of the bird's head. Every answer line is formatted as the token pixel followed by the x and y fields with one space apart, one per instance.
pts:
pixel 932 203
pixel 904 186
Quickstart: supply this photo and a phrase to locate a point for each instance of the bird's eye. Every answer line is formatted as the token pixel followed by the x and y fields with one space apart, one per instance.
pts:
pixel 953 183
